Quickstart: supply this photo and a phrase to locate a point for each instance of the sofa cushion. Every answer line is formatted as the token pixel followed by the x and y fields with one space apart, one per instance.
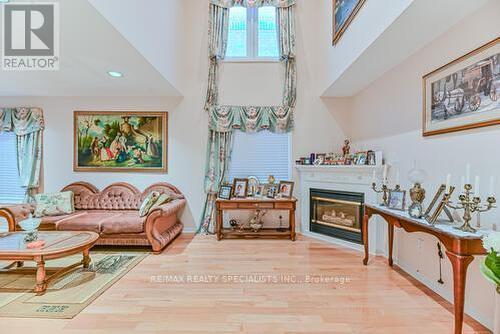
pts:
pixel 148 203
pixel 124 222
pixel 88 221
pixel 54 204
pixel 50 222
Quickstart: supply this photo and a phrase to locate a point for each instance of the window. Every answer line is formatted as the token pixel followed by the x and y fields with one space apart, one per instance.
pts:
pixel 10 184
pixel 260 154
pixel 252 34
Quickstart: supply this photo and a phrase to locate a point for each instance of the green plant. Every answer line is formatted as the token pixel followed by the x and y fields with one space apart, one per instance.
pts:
pixel 491 265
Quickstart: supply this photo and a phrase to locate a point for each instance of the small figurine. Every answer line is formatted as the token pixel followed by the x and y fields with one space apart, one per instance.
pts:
pixel 346 148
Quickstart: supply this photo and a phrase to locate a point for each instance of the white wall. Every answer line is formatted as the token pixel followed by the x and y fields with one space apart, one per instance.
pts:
pixel 241 83
pixel 387 116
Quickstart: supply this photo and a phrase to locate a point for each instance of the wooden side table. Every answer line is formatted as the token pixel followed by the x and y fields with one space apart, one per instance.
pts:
pixel 460 248
pixel 288 204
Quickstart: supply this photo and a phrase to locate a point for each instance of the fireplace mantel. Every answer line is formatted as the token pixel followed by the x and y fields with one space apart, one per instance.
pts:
pixel 350 178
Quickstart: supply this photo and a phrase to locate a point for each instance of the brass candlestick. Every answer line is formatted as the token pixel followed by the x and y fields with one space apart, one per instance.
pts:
pixel 469 204
pixel 385 191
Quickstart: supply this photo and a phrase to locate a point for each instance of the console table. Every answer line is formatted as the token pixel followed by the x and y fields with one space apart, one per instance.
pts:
pixel 250 203
pixel 460 247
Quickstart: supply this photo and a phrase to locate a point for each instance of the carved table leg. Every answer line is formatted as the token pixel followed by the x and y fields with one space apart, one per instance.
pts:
pixel 459 264
pixel 366 218
pixel 41 284
pixel 292 225
pixel 218 226
pixel 390 237
pixel 86 259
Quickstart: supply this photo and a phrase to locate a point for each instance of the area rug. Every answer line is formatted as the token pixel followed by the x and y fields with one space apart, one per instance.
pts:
pixel 67 295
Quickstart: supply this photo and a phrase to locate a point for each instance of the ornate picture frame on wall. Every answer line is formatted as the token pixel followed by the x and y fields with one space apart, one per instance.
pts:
pixel 344 12
pixel 120 141
pixel 463 94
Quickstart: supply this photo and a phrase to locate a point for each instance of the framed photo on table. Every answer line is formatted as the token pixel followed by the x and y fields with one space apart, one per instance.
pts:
pixel 225 191
pixel 285 189
pixel 240 187
pixel 397 199
pixel 464 93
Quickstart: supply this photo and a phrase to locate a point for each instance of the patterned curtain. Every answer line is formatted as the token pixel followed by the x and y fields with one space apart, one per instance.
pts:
pixel 225 119
pixel 218 157
pixel 277 119
pixel 286 33
pixel 218 23
pixel 253 3
pixel 28 125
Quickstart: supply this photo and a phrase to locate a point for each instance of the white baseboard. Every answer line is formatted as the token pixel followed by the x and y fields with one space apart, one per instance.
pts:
pixel 434 286
pixel 189 229
pixel 334 241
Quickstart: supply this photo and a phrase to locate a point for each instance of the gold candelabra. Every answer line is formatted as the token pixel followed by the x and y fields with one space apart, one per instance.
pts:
pixel 469 204
pixel 384 189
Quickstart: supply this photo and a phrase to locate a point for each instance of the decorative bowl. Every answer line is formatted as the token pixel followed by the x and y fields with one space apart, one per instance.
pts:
pixel 30 224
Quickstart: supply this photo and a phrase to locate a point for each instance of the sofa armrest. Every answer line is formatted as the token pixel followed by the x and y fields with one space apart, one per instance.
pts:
pixel 170 208
pixel 15 213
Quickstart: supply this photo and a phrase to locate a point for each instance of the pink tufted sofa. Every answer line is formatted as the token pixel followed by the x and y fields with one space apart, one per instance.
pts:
pixel 114 214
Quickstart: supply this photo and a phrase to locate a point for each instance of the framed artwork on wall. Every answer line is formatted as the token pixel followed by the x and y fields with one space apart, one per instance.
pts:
pixel 344 12
pixel 120 141
pixel 463 94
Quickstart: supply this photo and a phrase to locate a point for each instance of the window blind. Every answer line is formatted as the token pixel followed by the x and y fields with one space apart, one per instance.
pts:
pixel 10 187
pixel 260 154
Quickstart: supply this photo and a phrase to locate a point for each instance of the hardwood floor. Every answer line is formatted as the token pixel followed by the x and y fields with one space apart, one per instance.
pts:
pixel 351 298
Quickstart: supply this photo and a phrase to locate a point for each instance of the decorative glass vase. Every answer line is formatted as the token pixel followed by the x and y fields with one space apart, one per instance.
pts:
pixel 30 225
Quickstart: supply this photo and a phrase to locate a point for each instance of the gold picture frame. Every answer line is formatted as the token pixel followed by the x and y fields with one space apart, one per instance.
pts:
pixel 120 141
pixel 343 20
pixel 464 93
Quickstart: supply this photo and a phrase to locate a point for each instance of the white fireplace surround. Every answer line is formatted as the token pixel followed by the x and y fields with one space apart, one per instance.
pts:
pixel 340 178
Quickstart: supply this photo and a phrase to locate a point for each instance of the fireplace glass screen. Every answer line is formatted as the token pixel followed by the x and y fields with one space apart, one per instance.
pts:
pixel 337 214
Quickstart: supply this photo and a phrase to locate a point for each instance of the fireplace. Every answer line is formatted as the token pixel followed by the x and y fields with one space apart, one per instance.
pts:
pixel 337 214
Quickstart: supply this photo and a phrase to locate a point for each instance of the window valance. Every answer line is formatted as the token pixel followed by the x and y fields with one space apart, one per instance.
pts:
pixel 277 119
pixel 22 121
pixel 253 3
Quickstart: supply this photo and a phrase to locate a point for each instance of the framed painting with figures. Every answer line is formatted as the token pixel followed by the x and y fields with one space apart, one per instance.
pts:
pixel 464 93
pixel 120 141
pixel 344 12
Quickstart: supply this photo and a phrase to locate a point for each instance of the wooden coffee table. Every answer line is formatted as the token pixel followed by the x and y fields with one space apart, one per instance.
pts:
pixel 57 245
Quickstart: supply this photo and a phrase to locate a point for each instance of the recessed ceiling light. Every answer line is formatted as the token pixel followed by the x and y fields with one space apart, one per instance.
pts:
pixel 114 74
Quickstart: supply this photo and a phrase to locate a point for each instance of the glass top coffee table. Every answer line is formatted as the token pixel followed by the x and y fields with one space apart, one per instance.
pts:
pixel 58 244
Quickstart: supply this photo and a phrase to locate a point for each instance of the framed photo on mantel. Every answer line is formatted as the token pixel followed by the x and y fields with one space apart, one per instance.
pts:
pixel 465 93
pixel 120 141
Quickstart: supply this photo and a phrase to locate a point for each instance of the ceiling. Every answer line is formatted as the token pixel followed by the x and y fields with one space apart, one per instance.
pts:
pixel 420 23
pixel 90 46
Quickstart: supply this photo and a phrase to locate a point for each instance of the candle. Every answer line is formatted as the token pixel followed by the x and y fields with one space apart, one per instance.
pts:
pixel 476 186
pixel 467 173
pixel 384 177
pixel 374 176
pixel 492 186
pixel 448 182
pixel 462 183
pixel 397 176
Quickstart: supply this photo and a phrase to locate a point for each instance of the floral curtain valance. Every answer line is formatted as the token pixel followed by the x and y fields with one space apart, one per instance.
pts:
pixel 253 3
pixel 22 121
pixel 277 119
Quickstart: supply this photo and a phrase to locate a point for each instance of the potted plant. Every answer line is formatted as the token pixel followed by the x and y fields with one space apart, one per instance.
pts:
pixel 491 269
